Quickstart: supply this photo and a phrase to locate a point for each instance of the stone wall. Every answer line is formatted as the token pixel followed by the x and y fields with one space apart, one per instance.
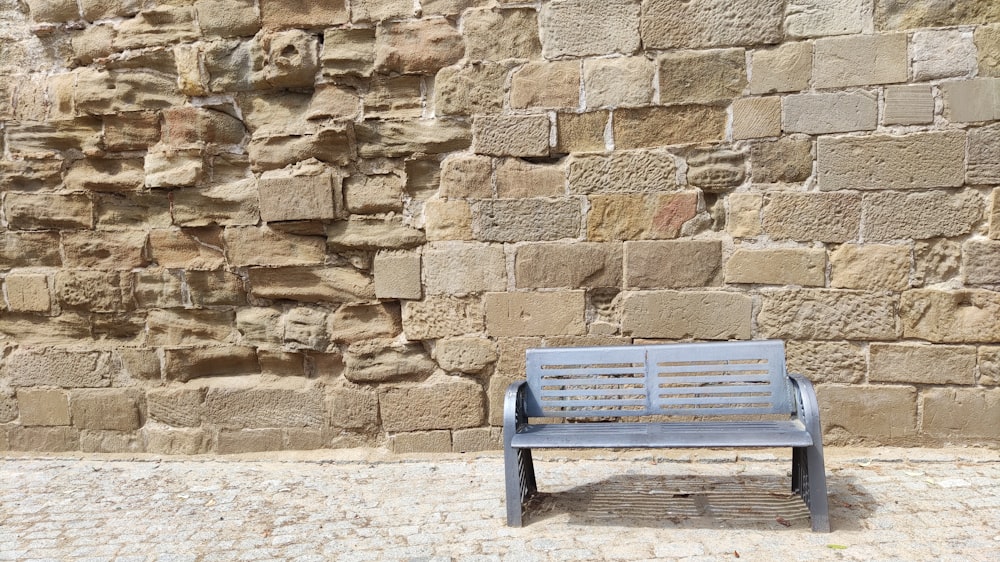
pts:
pixel 238 225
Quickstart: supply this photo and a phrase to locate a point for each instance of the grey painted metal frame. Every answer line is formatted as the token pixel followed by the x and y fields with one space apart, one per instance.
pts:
pixel 711 381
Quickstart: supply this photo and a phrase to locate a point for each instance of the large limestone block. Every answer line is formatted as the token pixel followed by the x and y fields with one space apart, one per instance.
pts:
pixel 987 41
pixel 492 34
pixel 825 217
pixel 158 26
pixel 511 135
pixel 383 360
pixel 840 112
pixel 572 266
pixel 303 13
pixel 397 275
pixel 704 315
pixel 639 216
pixel 352 406
pixel 517 178
pixel 815 18
pixel 618 82
pixel 116 409
pixel 460 268
pixel 381 193
pixel 138 210
pixel 351 323
pixel 441 317
pixel 27 292
pixel 578 28
pixel 702 76
pixel 581 132
pixel 920 215
pixel 43 211
pixel 29 249
pixel 664 126
pixel 448 220
pixel 348 51
pixel 823 314
pixel 228 204
pixel 966 316
pixel 392 139
pixel 166 167
pixel 872 267
pixel 43 407
pixel 187 363
pixel 922 364
pixel 903 14
pixel 67 328
pixel 227 18
pixel 373 11
pixel 189 327
pixel 516 220
pixel 961 414
pixel 92 290
pixel 786 68
pixel 362 233
pixel 653 264
pixel 35 140
pixel 47 439
pixel 192 249
pixel 743 214
pixel 417 46
pixel 942 54
pixel 283 405
pixel 883 414
pixel 190 125
pixel 756 118
pixel 310 284
pixel 105 175
pixel 860 60
pixel 980 262
pixel 60 368
pixel 331 145
pixel 104 249
pixel 546 85
pixel 466 354
pixel 827 361
pixel 908 105
pixel 983 155
pixel 786 160
pixel 177 407
pixel 623 171
pixel 706 23
pixel 467 176
pixel 441 402
pixel 921 160
pixel 471 89
pixel 535 314
pixel 310 192
pixel 263 246
pixel 53 11
pixel 785 266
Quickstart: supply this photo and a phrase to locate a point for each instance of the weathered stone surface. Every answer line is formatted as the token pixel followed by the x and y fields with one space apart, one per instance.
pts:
pixel 351 323
pixel 292 404
pixel 421 442
pixel 385 360
pixel 94 291
pixel 382 193
pixel 936 261
pixel 993 211
pixel 166 167
pixel 134 210
pixel 894 14
pixel 403 138
pixel 571 266
pixel 785 266
pixel 868 414
pixel 397 275
pixel 827 362
pixel 908 105
pixel 348 51
pixel 888 162
pixel 814 18
pixel 983 161
pixel 826 217
pixel 396 97
pixel 623 171
pixel 966 316
pixel 106 93
pixel 104 250
pixel 743 214
pixel 42 211
pixel 362 233
pixel 248 441
pixel 177 407
pixel 113 408
pixel 52 11
pixel 158 288
pixel 189 363
pixel 706 23
pixel 43 407
pixel 535 314
pixel 189 125
pixel 310 284
pixel 546 85
pixel 353 406
pixel 989 365
pixel 705 315
pixel 922 364
pixel 192 248
pixel 441 402
pixel 860 60
pixel 48 439
pixel 306 328
pixel 303 13
pixel 460 268
pixel 471 89
pixel 663 126
pixel 511 135
pixel 576 28
pixel 840 112
pixel 702 76
pixel 228 204
pixel 448 220
pixel 756 118
pixel 786 160
pixel 31 175
pixel 517 178
pixel 105 175
pixel 492 34
pixel 987 41
pixel 672 263
pixel 872 267
pixel 417 46
pixel 227 18
pixel 441 317
pixel 467 176
pixel 639 217
pixel 131 131
pixel 190 327
pixel 823 314
pixel 27 292
pixel 967 101
pixel 371 11
pixel 309 192
pixel 264 246
pixel 476 439
pixel 618 82
pixel 33 329
pixel 959 413
pixel 515 220
pixel 980 262
pixel 157 26
pixel 465 355
pixel 786 68
pixel 920 215
pixel 331 145
pixel 716 170
pixel 215 288
pixel 942 54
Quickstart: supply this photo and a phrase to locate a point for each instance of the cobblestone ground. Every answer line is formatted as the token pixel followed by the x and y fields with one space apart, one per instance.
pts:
pixel 885 505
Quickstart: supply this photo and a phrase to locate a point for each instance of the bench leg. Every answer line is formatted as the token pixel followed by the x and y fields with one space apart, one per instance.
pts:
pixel 519 476
pixel 809 481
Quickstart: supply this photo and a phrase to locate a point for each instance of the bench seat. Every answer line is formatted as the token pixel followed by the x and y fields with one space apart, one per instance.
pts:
pixel 663 435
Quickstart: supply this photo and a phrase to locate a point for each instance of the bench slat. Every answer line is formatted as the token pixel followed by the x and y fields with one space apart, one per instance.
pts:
pixel 675 434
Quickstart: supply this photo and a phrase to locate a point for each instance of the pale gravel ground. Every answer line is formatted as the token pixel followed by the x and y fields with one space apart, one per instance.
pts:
pixel 886 504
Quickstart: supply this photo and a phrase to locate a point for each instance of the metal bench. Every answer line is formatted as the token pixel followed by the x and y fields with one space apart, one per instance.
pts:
pixel 707 385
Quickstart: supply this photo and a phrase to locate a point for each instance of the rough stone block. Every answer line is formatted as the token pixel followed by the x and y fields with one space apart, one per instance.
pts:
pixel 448 220
pixel 860 60
pixel 672 263
pixel 980 262
pixel 511 135
pixel 465 355
pixel 572 266
pixel 688 77
pixel 291 403
pixel 743 215
pixel 942 54
pixel 421 442
pixel 815 18
pixel 104 250
pixel 827 361
pixel 840 112
pixel 805 217
pixel 361 233
pixel 52 11
pixel 703 315
pixel 516 178
pixel 967 101
pixel 961 414
pixel 94 291
pixel 394 97
pixel 476 439
pixel 785 68
pixel 382 360
pixel 639 216
pixel 881 414
pixel 441 317
pixel 393 139
pixel 381 193
pixel 893 14
pixel 921 160
pixel 331 145
pixel 353 406
pixel 871 267
pixel 43 407
pixel 577 28
pixel 936 261
pixel 303 193
pixel 104 93
pixel 618 82
pixel 27 292
pixel 248 245
pixel 756 118
pixel 177 407
pixel 373 11
pixel 987 42
pixel 922 364
pixel 95 174
pixel 184 364
pixel 417 46
pixel 716 170
pixel 460 269
pixel 535 314
pixel 515 220
pixel 786 160
pixel 983 158
pixel 989 365
pixel 113 409
pixel 581 132
pixel 471 89
pixel 169 168
pixel 351 323
pixel 31 175
pixel 492 34
pixel 623 171
pixel 189 327
pixel 824 314
pixel 706 23
pixel 230 204
pixel 397 275
pixel 47 439
pixel 228 18
pixel 467 176
pixel 309 284
pixel 546 85
pixel 920 215
pixel 190 249
pixel 664 126
pixel 786 266
pixel 440 402
pixel 44 211
pixel 303 13
pixel 158 26
pixel 306 328
pixel 908 105
pixel 191 125
pixel 248 441
pixel 348 51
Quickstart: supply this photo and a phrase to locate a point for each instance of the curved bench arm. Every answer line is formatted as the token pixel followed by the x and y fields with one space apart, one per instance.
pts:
pixel 807 406
pixel 514 416
pixel 808 466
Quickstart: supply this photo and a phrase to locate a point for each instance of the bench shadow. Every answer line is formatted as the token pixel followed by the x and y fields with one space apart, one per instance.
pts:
pixel 698 502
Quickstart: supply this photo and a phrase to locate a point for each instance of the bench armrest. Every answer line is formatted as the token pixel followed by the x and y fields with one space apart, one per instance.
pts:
pixel 807 406
pixel 514 415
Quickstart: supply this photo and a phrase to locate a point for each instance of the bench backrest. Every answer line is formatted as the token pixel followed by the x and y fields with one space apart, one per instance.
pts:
pixel 689 379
